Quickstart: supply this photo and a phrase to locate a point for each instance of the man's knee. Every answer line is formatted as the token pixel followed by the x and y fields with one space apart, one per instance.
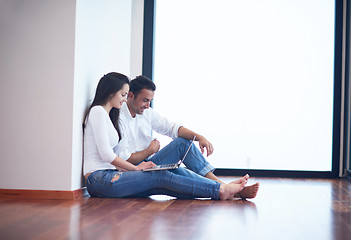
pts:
pixel 181 140
pixel 182 143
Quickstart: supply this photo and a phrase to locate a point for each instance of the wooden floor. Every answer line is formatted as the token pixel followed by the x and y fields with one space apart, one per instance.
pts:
pixel 284 209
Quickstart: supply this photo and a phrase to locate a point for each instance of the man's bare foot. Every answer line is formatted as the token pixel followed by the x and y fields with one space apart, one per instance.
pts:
pixel 227 191
pixel 248 192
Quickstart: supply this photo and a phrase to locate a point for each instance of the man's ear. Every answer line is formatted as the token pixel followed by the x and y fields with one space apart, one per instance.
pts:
pixel 130 95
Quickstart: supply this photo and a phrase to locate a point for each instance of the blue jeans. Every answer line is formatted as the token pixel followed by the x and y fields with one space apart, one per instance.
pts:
pixel 143 184
pixel 180 183
pixel 175 151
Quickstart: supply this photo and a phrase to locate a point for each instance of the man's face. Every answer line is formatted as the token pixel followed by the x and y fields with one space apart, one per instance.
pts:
pixel 142 101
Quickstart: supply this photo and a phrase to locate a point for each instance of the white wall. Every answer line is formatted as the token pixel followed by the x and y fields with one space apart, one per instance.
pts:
pixel 103 44
pixel 36 93
pixel 52 55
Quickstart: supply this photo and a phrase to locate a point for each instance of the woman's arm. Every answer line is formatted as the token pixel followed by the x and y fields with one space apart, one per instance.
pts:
pixel 100 130
pixel 127 166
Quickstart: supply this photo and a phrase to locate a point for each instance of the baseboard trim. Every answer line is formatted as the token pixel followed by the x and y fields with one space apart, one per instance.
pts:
pixel 42 194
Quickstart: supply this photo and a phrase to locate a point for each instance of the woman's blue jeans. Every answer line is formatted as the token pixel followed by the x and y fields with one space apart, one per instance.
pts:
pixel 180 183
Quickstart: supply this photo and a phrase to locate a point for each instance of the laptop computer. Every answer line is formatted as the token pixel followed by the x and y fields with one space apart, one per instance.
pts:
pixel 172 165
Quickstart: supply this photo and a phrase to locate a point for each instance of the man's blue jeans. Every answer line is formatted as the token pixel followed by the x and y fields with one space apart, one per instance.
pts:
pixel 175 151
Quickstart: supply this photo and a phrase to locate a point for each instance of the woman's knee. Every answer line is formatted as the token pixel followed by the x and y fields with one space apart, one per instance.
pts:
pixel 162 174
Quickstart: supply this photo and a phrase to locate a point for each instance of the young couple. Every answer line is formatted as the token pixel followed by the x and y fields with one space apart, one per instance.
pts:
pixel 118 145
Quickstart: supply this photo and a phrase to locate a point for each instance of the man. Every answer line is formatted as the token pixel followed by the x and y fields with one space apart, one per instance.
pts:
pixel 138 120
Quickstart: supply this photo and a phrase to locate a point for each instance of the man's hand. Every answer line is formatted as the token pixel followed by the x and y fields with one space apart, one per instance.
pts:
pixel 154 146
pixel 203 143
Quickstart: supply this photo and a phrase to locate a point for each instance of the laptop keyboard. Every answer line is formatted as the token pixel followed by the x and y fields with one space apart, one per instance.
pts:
pixel 167 165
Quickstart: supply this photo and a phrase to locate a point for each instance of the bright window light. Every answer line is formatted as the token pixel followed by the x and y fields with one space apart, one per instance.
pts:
pixel 254 77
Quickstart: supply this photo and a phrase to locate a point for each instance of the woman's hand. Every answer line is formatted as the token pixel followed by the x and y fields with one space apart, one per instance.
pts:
pixel 145 165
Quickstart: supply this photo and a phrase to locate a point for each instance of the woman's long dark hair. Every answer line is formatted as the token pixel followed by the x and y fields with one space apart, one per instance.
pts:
pixel 107 87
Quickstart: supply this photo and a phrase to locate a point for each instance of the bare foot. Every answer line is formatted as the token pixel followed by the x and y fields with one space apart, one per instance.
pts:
pixel 227 191
pixel 242 179
pixel 248 192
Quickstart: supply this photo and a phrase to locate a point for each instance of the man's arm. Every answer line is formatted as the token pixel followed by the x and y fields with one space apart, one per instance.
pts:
pixel 137 157
pixel 203 142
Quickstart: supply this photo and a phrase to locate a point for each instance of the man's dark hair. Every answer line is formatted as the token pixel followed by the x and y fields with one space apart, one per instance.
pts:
pixel 141 82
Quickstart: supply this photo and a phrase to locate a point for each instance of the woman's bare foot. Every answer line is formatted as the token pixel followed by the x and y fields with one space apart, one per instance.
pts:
pixel 227 191
pixel 242 179
pixel 248 192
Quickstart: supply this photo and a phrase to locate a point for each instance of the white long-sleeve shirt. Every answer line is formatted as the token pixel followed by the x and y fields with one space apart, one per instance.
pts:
pixel 100 138
pixel 137 132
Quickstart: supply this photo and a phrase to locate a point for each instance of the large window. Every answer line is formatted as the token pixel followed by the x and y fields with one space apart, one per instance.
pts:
pixel 255 77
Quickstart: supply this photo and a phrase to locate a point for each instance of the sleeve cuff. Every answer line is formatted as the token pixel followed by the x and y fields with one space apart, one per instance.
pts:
pixel 175 134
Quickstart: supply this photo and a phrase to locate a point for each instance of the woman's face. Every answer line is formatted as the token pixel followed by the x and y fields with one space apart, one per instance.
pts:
pixel 120 97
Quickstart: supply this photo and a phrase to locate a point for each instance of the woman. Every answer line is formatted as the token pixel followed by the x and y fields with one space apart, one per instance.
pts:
pixel 107 175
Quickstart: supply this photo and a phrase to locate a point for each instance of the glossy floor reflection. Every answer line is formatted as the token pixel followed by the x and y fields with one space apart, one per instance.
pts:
pixel 283 209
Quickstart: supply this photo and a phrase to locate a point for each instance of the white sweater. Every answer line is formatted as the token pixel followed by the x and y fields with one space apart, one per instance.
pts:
pixel 100 137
